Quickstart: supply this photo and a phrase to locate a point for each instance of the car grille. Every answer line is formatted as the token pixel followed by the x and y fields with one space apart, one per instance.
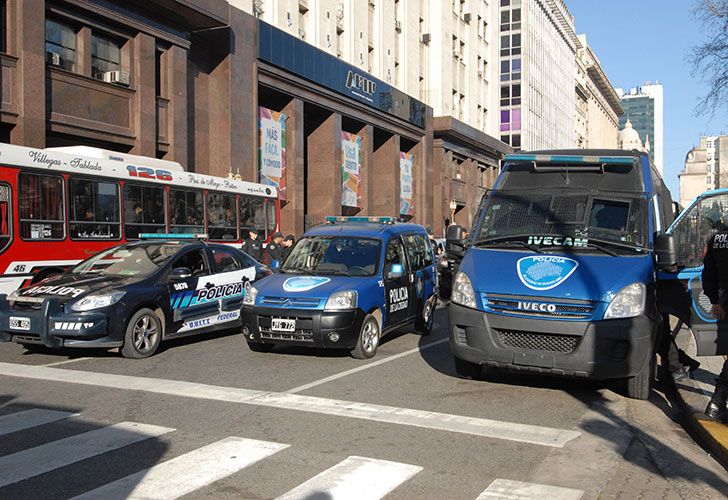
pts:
pixel 302 302
pixel 27 339
pixel 538 341
pixel 303 332
pixel 560 309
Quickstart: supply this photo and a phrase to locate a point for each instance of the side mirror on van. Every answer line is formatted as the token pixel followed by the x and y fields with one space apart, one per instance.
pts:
pixel 395 271
pixel 180 274
pixel 454 242
pixel 675 210
pixel 665 251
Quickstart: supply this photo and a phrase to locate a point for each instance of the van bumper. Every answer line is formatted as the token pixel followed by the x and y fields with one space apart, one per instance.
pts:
pixel 598 350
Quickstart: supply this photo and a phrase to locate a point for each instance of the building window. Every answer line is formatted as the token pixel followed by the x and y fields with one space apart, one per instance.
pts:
pixel 516 119
pixel 105 56
pixel 60 45
pixel 505 121
pixel 3 26
pixel 94 210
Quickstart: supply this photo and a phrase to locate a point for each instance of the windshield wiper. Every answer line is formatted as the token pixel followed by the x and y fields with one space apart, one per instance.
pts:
pixel 613 243
pixel 300 270
pixel 507 240
pixel 335 272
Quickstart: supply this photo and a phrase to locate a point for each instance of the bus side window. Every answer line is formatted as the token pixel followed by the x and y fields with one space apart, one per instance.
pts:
pixel 41 207
pixel 94 210
pixel 187 211
pixel 270 212
pixel 252 214
pixel 144 210
pixel 222 216
pixel 6 217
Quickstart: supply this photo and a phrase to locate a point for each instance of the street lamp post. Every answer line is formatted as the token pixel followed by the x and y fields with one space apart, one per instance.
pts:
pixel 453 206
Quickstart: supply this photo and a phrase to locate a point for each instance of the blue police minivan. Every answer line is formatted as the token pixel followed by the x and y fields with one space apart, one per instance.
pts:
pixel 344 285
pixel 559 274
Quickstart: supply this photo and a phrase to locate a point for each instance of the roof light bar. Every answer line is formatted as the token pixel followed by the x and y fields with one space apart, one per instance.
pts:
pixel 172 236
pixel 331 219
pixel 575 159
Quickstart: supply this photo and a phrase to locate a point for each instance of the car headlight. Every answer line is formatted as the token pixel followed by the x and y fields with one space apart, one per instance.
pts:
pixel 462 291
pixel 342 300
pixel 628 303
pixel 250 296
pixel 92 302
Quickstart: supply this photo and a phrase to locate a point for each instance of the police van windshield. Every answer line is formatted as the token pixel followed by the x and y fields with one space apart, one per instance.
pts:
pixel 334 255
pixel 565 217
pixel 125 260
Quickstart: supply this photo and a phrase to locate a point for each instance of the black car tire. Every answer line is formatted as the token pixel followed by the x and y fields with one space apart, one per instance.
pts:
pixel 143 335
pixel 260 346
pixel 368 340
pixel 638 387
pixel 466 369
pixel 422 326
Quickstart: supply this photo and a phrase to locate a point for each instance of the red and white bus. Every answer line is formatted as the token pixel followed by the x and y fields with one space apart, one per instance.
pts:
pixel 58 206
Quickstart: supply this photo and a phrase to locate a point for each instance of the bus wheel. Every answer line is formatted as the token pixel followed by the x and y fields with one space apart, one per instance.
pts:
pixel 368 341
pixel 143 334
pixel 638 387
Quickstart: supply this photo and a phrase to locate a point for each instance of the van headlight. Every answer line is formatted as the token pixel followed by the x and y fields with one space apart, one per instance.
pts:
pixel 250 296
pixel 342 300
pixel 92 302
pixel 628 303
pixel 462 291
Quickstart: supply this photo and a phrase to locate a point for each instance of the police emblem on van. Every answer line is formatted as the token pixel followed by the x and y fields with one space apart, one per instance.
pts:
pixel 544 272
pixel 303 283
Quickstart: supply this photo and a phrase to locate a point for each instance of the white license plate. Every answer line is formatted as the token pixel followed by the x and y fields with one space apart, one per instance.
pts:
pixel 17 323
pixel 283 325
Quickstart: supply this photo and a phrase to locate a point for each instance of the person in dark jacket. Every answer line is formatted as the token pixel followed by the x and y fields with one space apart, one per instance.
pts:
pixel 275 250
pixel 288 242
pixel 715 286
pixel 252 245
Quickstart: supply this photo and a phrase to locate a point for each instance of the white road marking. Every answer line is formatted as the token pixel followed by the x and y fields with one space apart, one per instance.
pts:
pixel 47 457
pixel 65 362
pixel 524 433
pixel 30 418
pixel 189 472
pixel 305 387
pixel 503 489
pixel 356 477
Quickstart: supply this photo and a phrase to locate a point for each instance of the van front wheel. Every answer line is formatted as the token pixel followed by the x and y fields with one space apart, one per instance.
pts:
pixel 638 387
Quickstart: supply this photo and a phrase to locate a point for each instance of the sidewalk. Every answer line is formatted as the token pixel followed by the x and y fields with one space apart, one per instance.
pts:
pixel 694 394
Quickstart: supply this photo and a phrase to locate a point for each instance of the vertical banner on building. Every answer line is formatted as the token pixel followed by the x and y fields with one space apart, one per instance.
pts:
pixel 272 153
pixel 351 155
pixel 406 163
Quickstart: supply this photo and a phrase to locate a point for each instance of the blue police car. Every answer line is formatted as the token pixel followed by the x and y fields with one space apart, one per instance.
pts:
pixel 344 285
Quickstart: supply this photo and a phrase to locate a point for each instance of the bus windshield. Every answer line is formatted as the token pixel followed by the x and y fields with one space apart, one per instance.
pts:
pixel 328 255
pixel 565 217
pixel 128 260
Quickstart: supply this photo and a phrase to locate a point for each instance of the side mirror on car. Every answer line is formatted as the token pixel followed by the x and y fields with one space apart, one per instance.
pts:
pixel 665 251
pixel 454 242
pixel 395 271
pixel 180 274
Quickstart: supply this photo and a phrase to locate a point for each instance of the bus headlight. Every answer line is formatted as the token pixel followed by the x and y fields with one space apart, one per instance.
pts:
pixel 97 301
pixel 462 291
pixel 628 303
pixel 250 296
pixel 341 300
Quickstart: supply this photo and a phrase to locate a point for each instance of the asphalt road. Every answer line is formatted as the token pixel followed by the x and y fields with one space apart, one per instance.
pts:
pixel 208 418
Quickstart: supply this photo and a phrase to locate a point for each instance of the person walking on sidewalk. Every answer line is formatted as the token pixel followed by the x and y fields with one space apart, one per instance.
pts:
pixel 715 286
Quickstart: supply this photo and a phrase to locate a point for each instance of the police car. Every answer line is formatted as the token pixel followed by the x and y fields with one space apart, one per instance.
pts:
pixel 343 285
pixel 133 296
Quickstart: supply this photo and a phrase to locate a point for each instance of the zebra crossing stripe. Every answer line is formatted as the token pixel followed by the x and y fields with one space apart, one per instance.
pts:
pixel 356 477
pixel 189 472
pixel 504 489
pixel 30 418
pixel 47 457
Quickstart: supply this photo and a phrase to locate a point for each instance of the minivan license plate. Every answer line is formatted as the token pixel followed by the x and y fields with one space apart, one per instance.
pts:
pixel 17 323
pixel 283 325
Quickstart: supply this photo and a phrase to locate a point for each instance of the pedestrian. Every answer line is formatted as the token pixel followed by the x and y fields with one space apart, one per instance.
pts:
pixel 715 286
pixel 288 242
pixel 433 242
pixel 275 250
pixel 252 246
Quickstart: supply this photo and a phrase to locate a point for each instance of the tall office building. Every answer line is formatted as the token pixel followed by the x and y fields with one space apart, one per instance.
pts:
pixel 442 51
pixel 643 106
pixel 706 167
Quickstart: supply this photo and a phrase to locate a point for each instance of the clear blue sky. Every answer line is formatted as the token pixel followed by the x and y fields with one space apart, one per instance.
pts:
pixel 641 40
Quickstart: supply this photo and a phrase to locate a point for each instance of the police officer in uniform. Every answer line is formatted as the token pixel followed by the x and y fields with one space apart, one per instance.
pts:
pixel 715 286
pixel 288 242
pixel 275 250
pixel 252 246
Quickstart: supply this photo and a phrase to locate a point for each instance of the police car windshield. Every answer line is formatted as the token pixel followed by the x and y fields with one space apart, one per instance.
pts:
pixel 334 255
pixel 565 217
pixel 128 260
